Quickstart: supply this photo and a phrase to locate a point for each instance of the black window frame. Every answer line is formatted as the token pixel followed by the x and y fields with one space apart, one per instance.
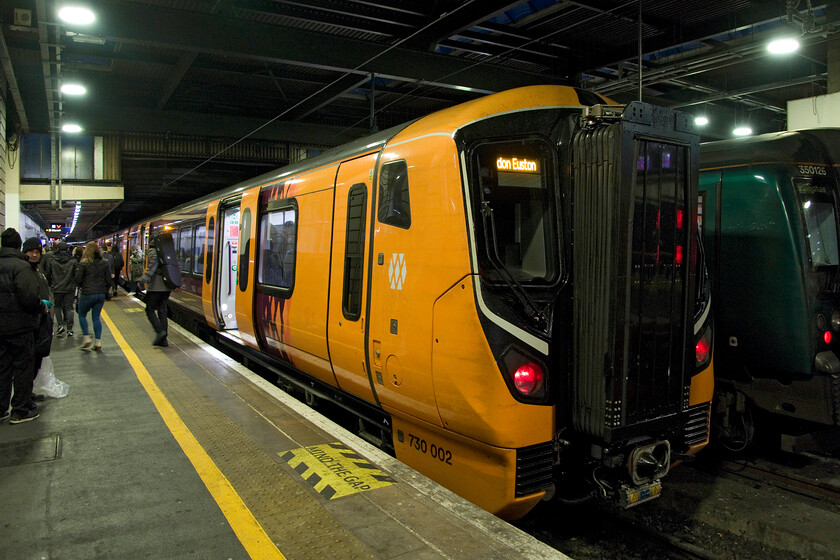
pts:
pixel 354 249
pixel 394 207
pixel 274 206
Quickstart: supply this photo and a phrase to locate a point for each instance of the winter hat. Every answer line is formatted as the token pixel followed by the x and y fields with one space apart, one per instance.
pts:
pixel 32 243
pixel 10 238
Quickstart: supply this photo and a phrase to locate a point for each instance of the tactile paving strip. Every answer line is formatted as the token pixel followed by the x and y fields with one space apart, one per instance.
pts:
pixel 292 517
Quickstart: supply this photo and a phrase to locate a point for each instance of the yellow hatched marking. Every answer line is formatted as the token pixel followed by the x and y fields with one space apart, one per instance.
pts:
pixel 248 530
pixel 334 470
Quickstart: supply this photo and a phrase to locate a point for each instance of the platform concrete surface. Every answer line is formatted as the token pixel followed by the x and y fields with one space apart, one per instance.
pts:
pixel 122 468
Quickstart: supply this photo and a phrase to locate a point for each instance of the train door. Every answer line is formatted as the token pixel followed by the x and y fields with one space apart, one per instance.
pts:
pixel 399 343
pixel 226 271
pixel 208 290
pixel 347 299
pixel 245 261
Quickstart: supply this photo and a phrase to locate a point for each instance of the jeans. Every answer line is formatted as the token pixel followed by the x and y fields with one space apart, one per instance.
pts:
pixel 92 303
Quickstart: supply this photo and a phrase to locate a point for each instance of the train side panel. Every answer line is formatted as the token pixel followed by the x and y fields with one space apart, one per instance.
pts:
pixel 291 312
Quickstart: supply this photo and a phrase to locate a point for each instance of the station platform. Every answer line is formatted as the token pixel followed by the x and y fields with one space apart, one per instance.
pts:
pixel 181 452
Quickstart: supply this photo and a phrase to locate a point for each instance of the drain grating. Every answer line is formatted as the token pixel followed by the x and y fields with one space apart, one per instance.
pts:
pixel 29 451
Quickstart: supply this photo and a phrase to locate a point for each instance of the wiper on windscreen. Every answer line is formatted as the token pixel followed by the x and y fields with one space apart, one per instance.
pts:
pixel 534 313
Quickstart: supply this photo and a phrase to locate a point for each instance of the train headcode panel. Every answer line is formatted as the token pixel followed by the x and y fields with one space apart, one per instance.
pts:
pixel 509 294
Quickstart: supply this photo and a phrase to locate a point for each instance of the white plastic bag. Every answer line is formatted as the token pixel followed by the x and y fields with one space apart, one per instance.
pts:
pixel 47 384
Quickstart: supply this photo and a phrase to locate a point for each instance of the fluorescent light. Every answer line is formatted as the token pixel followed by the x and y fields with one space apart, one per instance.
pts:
pixel 76 212
pixel 783 46
pixel 71 127
pixel 701 121
pixel 73 89
pixel 742 131
pixel 76 14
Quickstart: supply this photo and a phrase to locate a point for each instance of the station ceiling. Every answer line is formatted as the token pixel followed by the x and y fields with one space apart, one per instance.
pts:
pixel 316 73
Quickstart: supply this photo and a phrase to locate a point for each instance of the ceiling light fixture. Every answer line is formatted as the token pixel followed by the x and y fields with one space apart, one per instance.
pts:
pixel 71 127
pixel 73 89
pixel 742 131
pixel 785 45
pixel 78 15
pixel 701 120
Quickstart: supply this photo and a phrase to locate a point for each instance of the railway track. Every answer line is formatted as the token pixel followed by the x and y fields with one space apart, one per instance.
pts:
pixel 819 480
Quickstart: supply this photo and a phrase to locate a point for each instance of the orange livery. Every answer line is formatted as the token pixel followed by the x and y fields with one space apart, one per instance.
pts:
pixel 508 293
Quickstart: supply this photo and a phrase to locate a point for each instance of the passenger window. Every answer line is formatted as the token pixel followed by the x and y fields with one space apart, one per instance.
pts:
pixel 354 246
pixel 198 253
pixel 208 271
pixel 278 248
pixel 394 208
pixel 244 249
pixel 185 250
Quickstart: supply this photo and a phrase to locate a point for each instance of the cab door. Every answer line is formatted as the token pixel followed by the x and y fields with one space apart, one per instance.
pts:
pixel 348 271
pixel 402 285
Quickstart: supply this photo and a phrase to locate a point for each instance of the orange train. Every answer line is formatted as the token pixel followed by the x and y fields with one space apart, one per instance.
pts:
pixel 509 293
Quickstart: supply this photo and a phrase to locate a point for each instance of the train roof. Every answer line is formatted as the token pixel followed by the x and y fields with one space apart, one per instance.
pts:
pixel 816 146
pixel 444 120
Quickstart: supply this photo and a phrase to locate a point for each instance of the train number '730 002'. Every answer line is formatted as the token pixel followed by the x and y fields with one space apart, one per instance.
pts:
pixel 436 451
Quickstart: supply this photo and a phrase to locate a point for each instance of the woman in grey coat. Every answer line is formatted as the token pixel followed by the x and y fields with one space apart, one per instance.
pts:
pixel 157 294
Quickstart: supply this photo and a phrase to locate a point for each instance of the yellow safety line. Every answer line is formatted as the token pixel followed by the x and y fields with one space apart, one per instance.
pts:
pixel 247 528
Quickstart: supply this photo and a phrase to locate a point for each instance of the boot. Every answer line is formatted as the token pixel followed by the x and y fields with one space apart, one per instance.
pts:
pixel 97 346
pixel 160 337
pixel 86 342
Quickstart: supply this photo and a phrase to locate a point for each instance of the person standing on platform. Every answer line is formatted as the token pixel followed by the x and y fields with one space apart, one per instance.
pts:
pixel 135 270
pixel 157 292
pixel 20 308
pixel 119 263
pixel 109 258
pixel 49 251
pixel 61 274
pixel 43 332
pixel 94 280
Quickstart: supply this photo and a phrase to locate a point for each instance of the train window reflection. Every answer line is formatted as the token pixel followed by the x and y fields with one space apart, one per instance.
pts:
pixel 278 245
pixel 821 232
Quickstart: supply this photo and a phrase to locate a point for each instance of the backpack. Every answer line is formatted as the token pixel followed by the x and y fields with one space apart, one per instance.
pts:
pixel 168 266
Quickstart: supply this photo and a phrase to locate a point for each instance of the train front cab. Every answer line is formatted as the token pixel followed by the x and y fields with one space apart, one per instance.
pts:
pixel 770 222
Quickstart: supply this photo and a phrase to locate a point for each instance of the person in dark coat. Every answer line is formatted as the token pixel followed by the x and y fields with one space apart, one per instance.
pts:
pixel 43 332
pixel 109 258
pixel 94 280
pixel 157 294
pixel 61 275
pixel 135 270
pixel 20 308
pixel 119 263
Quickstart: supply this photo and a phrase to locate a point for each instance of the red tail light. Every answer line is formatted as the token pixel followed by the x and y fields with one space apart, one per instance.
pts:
pixel 827 337
pixel 703 347
pixel 528 378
